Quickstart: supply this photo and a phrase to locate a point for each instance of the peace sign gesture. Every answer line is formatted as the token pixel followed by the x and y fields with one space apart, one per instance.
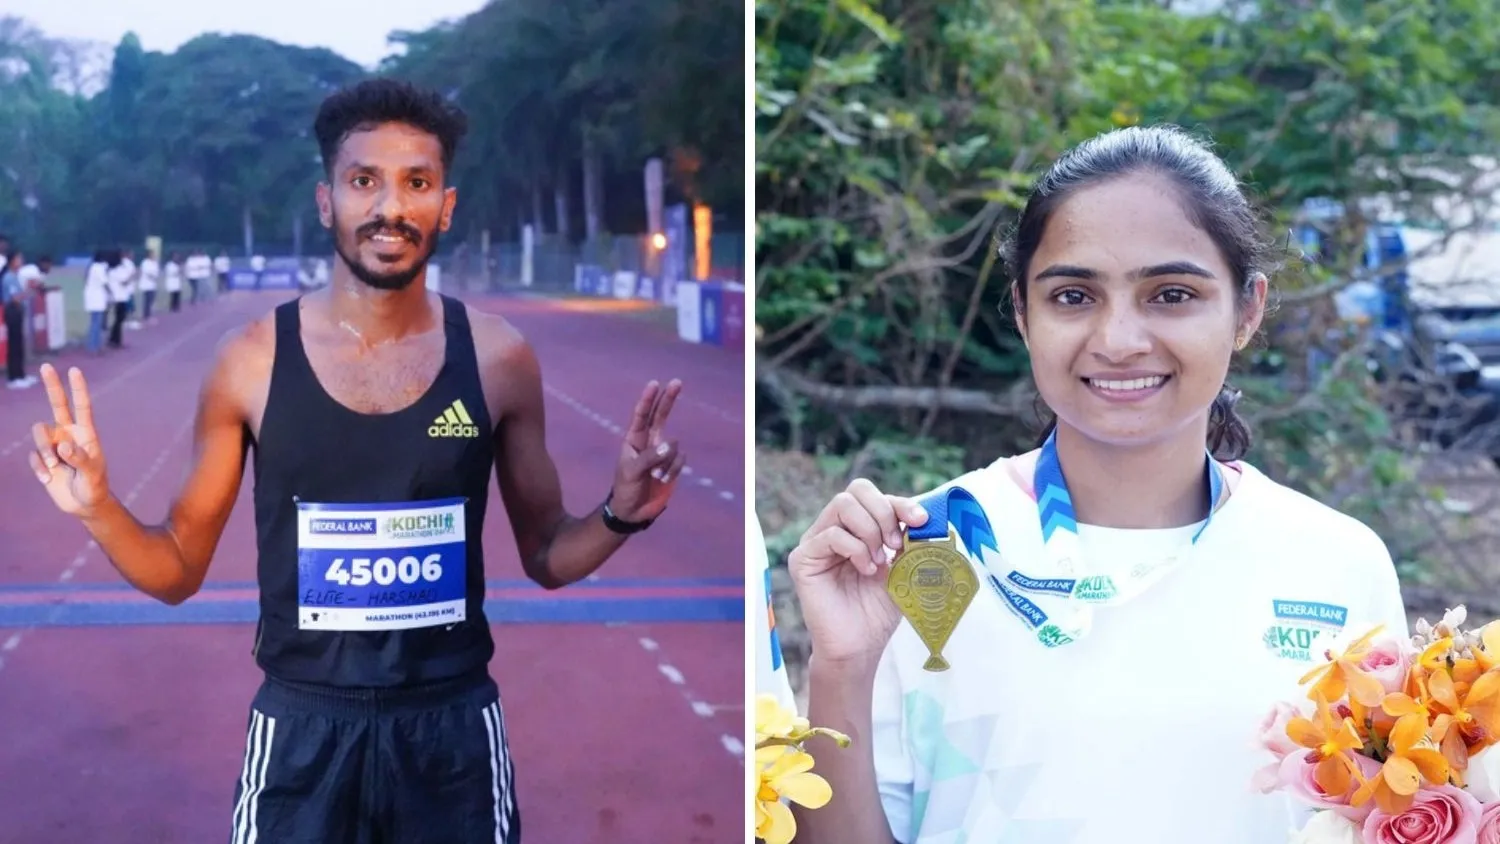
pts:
pixel 649 463
pixel 68 459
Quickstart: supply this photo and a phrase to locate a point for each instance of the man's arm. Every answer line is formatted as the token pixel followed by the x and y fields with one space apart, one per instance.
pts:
pixel 169 561
pixel 556 547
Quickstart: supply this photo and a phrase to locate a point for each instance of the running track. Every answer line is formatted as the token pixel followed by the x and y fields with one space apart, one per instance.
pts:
pixel 124 720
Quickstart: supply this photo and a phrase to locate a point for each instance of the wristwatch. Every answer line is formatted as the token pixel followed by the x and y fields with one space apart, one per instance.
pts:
pixel 619 525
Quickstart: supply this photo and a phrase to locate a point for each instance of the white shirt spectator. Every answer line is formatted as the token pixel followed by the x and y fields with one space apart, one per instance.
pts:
pixel 199 267
pixel 221 264
pixel 30 275
pixel 150 272
pixel 96 288
pixel 121 285
pixel 173 277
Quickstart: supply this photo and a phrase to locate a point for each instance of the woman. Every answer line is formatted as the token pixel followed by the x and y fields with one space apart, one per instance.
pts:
pixel 97 294
pixel 1137 273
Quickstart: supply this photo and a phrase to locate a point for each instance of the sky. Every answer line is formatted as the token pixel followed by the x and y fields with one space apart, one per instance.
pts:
pixel 351 28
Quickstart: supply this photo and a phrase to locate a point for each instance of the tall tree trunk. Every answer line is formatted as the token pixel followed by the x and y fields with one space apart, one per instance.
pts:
pixel 593 188
pixel 537 220
pixel 560 202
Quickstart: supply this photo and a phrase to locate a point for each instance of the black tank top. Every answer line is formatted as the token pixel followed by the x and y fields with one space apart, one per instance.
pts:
pixel 359 519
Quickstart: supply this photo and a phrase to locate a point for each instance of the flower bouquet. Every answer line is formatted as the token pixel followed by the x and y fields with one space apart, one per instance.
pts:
pixel 785 767
pixel 1394 744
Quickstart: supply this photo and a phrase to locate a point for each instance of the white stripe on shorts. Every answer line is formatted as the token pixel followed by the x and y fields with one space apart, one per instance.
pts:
pixel 253 777
pixel 500 771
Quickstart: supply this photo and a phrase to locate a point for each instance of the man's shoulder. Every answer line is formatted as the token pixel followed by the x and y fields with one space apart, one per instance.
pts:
pixel 249 346
pixel 497 341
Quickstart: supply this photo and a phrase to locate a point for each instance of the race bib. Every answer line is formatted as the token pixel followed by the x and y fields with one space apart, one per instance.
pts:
pixel 392 566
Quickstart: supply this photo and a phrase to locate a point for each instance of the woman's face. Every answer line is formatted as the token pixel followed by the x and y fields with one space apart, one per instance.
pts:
pixel 1131 314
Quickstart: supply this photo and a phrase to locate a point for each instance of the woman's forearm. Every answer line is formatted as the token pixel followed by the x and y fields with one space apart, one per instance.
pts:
pixel 840 697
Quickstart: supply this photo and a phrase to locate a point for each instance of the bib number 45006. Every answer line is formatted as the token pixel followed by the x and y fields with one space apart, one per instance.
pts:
pixel 384 570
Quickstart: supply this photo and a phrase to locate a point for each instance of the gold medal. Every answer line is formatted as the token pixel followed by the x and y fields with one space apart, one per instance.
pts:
pixel 932 583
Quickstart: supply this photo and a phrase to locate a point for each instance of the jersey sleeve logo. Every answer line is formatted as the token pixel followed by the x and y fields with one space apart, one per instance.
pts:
pixel 455 421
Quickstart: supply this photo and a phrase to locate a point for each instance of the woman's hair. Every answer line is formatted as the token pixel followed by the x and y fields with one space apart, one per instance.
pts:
pixel 1210 196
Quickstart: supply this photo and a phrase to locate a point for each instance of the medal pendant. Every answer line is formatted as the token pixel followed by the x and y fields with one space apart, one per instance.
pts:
pixel 932 584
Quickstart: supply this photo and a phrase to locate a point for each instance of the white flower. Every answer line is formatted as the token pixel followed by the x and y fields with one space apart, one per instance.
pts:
pixel 1453 621
pixel 1327 828
pixel 1483 776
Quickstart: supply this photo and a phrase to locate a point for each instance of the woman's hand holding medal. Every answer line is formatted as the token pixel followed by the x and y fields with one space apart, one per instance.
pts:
pixel 840 569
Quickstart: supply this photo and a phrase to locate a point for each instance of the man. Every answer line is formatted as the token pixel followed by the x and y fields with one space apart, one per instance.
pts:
pixel 377 720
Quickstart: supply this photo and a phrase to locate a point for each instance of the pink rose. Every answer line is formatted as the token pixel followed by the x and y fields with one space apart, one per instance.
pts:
pixel 1388 660
pixel 1489 825
pixel 1444 815
pixel 1297 778
pixel 1272 737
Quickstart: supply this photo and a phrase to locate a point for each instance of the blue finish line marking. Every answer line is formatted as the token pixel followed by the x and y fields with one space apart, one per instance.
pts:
pixel 80 611
pixel 215 585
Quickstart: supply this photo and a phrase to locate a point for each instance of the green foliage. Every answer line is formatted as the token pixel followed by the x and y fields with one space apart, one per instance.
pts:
pixel 896 142
pixel 197 144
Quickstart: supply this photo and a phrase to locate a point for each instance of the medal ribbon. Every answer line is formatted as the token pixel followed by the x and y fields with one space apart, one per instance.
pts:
pixel 1055 601
pixel 1064 584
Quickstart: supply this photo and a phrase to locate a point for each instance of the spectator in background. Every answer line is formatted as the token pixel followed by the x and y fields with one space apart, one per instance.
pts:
pixel 200 268
pixel 96 296
pixel 132 276
pixel 221 269
pixel 14 294
pixel 33 279
pixel 34 275
pixel 258 264
pixel 121 275
pixel 174 282
pixel 150 272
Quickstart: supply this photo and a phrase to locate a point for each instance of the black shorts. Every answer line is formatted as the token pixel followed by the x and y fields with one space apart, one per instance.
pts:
pixel 331 766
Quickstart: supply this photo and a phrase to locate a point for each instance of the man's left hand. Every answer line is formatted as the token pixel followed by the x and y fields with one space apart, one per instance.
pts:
pixel 649 463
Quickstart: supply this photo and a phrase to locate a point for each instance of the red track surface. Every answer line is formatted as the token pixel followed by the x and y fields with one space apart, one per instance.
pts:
pixel 133 734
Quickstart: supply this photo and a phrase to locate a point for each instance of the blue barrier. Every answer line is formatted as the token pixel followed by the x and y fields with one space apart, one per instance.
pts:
pixel 711 312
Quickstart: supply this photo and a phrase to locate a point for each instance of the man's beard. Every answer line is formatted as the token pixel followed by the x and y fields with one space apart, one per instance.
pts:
pixel 376 277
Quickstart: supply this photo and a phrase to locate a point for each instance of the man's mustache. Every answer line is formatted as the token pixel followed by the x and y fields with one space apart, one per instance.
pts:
pixel 381 226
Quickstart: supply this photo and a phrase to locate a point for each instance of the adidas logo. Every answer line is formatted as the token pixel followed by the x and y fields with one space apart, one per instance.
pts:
pixel 455 422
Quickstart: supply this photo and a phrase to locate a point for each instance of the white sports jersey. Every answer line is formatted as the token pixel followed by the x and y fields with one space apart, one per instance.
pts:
pixel 770 669
pixel 1143 731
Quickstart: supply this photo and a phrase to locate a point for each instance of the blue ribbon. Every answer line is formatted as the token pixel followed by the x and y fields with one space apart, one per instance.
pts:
pixel 1055 505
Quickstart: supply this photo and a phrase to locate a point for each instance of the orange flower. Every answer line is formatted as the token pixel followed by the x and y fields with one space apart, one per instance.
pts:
pixel 1482 658
pixel 1330 741
pixel 1342 673
pixel 1475 710
pixel 1410 759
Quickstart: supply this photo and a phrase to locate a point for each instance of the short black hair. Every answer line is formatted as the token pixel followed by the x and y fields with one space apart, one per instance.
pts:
pixel 372 102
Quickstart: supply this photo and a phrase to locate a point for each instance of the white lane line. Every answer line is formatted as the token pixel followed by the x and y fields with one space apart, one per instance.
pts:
pixel 699 707
pixel 604 422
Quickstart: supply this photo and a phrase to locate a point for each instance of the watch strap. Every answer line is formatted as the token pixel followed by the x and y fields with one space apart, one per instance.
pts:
pixel 619 525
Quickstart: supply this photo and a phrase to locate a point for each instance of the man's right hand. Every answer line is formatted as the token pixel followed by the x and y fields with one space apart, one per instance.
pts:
pixel 68 459
pixel 840 568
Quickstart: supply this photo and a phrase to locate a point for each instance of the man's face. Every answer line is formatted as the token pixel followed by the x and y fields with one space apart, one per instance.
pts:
pixel 386 203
